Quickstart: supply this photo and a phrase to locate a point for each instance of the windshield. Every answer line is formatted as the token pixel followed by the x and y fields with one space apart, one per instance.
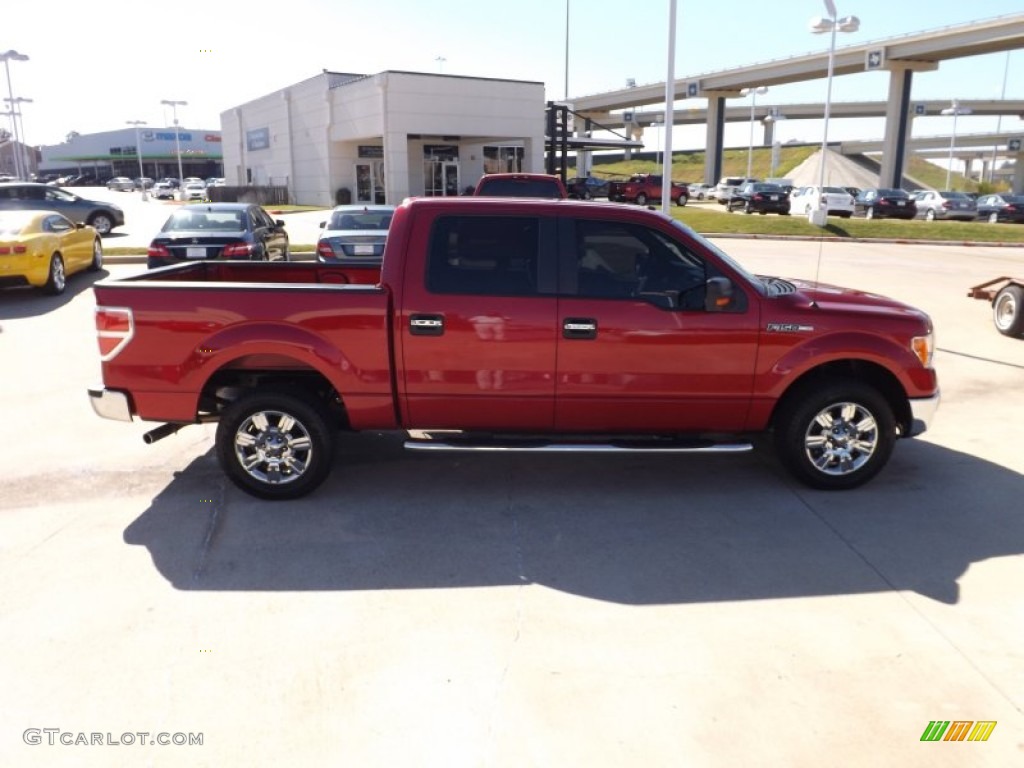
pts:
pixel 726 258
pixel 224 221
pixel 836 191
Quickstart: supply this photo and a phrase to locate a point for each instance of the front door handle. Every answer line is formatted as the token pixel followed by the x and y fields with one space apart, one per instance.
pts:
pixel 426 325
pixel 579 328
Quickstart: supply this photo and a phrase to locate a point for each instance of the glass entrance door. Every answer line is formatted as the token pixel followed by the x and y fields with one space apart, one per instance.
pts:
pixel 441 178
pixel 370 182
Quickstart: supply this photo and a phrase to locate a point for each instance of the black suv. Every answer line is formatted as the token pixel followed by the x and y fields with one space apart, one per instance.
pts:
pixel 22 195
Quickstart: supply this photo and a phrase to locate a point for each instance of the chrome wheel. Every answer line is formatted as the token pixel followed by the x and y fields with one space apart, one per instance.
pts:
pixel 57 280
pixel 1006 311
pixel 273 447
pixel 102 223
pixel 929 215
pixel 97 256
pixel 841 438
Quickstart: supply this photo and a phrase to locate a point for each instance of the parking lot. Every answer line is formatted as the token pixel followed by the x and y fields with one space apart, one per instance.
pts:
pixel 484 610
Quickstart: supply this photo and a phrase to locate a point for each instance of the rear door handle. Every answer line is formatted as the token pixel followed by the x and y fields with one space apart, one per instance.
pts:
pixel 426 325
pixel 579 328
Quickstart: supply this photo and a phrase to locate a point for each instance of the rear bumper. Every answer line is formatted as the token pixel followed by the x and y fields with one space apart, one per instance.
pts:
pixel 922 413
pixel 110 404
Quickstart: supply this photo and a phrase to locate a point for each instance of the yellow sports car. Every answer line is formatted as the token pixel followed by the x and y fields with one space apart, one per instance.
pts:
pixel 41 248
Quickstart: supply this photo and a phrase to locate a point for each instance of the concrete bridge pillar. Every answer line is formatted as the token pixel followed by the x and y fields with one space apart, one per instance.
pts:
pixel 715 135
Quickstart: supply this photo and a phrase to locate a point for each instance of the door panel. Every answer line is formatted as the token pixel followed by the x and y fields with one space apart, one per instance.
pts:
pixel 657 360
pixel 477 337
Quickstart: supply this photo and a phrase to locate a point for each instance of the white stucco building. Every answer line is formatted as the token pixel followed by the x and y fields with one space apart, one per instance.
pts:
pixel 384 137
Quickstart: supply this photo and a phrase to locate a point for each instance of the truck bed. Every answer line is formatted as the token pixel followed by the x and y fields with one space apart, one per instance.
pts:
pixel 356 273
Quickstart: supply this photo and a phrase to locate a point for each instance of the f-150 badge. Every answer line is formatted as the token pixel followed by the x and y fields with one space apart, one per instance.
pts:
pixel 788 328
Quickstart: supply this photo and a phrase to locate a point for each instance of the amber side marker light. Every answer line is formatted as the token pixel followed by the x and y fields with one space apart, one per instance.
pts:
pixel 924 347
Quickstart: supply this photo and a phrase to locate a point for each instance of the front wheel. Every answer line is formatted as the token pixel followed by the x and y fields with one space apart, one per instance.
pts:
pixel 929 215
pixel 97 256
pixel 835 435
pixel 102 223
pixel 869 213
pixel 1008 311
pixel 641 199
pixel 682 200
pixel 993 218
pixel 274 445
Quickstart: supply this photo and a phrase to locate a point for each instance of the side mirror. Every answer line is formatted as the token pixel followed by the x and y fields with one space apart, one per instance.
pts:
pixel 719 294
pixel 279 223
pixel 79 225
pixel 323 224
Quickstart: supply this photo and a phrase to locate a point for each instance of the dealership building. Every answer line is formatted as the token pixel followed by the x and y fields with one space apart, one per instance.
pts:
pixel 381 138
pixel 117 153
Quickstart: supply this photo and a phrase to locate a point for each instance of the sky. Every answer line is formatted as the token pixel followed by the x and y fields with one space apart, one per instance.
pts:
pixel 96 65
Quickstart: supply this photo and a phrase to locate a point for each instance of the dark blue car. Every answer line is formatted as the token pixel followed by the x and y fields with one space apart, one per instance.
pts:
pixel 205 231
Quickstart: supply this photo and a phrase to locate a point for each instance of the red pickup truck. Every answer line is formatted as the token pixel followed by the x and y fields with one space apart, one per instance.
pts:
pixel 531 325
pixel 642 188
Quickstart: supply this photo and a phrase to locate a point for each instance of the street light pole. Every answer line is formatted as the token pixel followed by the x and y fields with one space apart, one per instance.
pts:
pixel 19 117
pixel 819 216
pixel 7 57
pixel 955 110
pixel 177 143
pixel 138 153
pixel 753 93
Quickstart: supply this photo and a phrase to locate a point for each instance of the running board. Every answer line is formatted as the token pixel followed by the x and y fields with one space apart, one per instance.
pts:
pixel 449 441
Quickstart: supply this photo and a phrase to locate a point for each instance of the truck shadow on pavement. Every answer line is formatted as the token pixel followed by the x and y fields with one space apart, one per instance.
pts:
pixel 631 530
pixel 22 302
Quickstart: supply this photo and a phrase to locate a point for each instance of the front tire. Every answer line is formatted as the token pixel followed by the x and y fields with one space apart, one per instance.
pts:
pixel 101 223
pixel 993 218
pixel 1008 311
pixel 97 256
pixel 56 280
pixel 836 434
pixel 641 199
pixel 929 215
pixel 275 446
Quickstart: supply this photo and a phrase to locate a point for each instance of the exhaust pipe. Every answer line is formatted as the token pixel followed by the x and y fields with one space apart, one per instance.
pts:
pixel 164 430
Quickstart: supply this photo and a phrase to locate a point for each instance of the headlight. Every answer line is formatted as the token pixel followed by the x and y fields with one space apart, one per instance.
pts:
pixel 924 347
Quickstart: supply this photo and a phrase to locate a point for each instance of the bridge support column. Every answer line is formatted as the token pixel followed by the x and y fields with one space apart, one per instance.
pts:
pixel 897 124
pixel 1018 175
pixel 769 132
pixel 715 138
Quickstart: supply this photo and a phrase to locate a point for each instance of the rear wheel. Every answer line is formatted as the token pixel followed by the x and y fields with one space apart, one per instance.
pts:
pixel 747 209
pixel 101 223
pixel 929 215
pixel 993 218
pixel 1008 311
pixel 682 200
pixel 56 280
pixel 274 445
pixel 835 434
pixel 869 212
pixel 641 199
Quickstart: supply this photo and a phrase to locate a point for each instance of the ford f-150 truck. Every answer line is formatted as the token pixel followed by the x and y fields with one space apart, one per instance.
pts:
pixel 642 188
pixel 531 325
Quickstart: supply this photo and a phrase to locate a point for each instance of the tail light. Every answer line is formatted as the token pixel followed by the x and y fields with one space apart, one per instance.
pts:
pixel 7 250
pixel 157 251
pixel 946 204
pixel 1010 207
pixel 883 201
pixel 238 251
pixel 758 196
pixel 115 327
pixel 324 250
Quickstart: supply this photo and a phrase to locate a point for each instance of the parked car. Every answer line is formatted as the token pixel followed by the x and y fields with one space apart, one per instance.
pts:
pixel 644 188
pixel 945 205
pixel 726 186
pixel 193 190
pixel 1002 207
pixel 143 182
pixel 838 202
pixel 41 248
pixel 121 183
pixel 760 197
pixel 884 203
pixel 587 187
pixel 219 231
pixel 701 191
pixel 354 232
pixel 520 185
pixel 162 190
pixel 854 191
pixel 26 195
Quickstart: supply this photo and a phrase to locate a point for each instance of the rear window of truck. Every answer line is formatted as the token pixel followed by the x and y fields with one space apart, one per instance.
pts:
pixel 484 255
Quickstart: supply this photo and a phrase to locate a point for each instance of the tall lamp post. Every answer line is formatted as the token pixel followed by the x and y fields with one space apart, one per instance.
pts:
pixel 7 57
pixel 753 93
pixel 955 110
pixel 831 23
pixel 177 144
pixel 138 153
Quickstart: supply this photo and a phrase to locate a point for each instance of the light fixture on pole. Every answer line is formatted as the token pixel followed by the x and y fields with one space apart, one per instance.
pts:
pixel 177 143
pixel 19 119
pixel 955 110
pixel 753 93
pixel 819 216
pixel 138 153
pixel 7 57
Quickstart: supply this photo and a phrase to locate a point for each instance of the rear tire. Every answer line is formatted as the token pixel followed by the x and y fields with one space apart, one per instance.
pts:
pixel 641 199
pixel 97 256
pixel 993 218
pixel 835 434
pixel 57 279
pixel 929 215
pixel 869 213
pixel 275 446
pixel 1008 311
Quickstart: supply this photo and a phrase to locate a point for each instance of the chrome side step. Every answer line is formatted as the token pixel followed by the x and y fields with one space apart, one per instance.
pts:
pixel 454 441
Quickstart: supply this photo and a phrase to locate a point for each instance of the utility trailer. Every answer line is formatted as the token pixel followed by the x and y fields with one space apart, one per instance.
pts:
pixel 1006 295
